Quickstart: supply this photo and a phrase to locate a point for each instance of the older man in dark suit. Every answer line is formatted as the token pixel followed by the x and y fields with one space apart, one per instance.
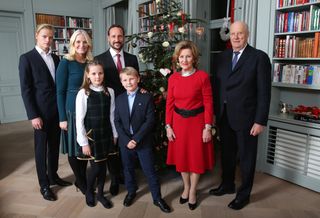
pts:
pixel 113 60
pixel 242 83
pixel 37 79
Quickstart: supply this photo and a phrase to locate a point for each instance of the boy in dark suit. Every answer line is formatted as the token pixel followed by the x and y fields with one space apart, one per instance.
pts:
pixel 37 79
pixel 134 121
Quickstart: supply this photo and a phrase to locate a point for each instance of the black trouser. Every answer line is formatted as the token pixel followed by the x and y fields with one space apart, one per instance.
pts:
pixel 115 168
pixel 79 168
pixel 97 172
pixel 244 145
pixel 46 141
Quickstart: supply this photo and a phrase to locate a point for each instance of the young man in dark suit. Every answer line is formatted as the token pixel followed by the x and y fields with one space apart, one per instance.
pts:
pixel 37 79
pixel 242 84
pixel 113 60
pixel 134 121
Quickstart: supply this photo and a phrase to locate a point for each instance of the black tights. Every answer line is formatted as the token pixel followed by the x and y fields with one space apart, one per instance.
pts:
pixel 97 172
pixel 79 168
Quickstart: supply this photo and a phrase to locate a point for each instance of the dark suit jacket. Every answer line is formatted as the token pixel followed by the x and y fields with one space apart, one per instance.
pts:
pixel 246 88
pixel 38 89
pixel 141 118
pixel 111 77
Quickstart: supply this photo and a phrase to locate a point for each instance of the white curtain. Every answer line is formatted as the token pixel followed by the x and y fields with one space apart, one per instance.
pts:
pixel 249 10
pixel 109 20
pixel 132 26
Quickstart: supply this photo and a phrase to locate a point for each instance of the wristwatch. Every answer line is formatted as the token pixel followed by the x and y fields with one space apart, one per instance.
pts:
pixel 167 126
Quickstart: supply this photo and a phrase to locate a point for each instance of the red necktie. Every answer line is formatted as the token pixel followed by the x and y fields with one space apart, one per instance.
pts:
pixel 119 66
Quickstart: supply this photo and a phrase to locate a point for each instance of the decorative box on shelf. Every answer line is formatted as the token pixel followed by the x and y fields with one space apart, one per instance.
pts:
pixel 307 114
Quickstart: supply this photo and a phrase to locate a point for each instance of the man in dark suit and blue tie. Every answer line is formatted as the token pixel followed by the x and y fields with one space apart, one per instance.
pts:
pixel 242 84
pixel 134 121
pixel 113 60
pixel 37 79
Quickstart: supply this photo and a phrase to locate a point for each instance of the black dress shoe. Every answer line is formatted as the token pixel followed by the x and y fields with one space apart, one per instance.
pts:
pixel 90 199
pixel 193 206
pixel 183 200
pixel 128 200
pixel 60 182
pixel 162 205
pixel 104 201
pixel 114 188
pixel 238 204
pixel 48 194
pixel 221 191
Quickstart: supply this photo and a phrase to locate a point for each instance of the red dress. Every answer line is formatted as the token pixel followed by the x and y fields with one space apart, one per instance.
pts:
pixel 187 151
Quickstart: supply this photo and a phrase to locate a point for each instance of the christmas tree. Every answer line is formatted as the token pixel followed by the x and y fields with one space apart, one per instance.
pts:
pixel 156 42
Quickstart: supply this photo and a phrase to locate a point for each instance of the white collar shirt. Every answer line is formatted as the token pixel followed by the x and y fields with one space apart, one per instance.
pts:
pixel 240 52
pixel 48 60
pixel 114 57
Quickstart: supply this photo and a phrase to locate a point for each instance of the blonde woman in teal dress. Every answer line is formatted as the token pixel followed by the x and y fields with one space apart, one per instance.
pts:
pixel 68 81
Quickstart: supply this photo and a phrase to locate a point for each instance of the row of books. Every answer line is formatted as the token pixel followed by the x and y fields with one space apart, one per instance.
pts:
pixel 66 33
pixel 79 22
pixel 296 74
pixel 51 19
pixel 148 9
pixel 298 21
pixel 315 18
pixel 292 22
pixel 286 3
pixel 297 47
pixel 60 21
pixel 146 25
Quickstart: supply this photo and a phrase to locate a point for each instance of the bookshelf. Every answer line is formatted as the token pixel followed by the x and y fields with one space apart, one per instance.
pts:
pixel 64 26
pixel 292 144
pixel 147 12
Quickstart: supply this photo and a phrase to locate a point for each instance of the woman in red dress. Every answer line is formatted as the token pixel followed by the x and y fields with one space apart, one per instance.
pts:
pixel 189 117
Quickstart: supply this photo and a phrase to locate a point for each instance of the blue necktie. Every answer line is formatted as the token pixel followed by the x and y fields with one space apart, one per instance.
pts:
pixel 235 58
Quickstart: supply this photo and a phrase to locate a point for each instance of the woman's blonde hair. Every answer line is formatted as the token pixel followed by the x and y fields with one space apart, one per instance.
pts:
pixel 186 44
pixel 86 81
pixel 72 50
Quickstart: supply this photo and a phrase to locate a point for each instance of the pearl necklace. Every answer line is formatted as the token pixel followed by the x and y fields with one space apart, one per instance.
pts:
pixel 188 73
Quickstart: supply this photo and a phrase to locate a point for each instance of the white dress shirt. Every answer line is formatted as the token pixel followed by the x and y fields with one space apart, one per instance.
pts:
pixel 115 58
pixel 49 61
pixel 240 52
pixel 81 110
pixel 131 97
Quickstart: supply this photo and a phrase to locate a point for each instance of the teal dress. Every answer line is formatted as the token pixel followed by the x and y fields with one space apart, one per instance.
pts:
pixel 69 78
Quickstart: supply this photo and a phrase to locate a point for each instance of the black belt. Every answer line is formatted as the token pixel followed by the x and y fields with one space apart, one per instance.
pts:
pixel 188 113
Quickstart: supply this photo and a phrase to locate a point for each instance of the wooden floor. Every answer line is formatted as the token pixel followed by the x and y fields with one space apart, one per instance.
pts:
pixel 20 197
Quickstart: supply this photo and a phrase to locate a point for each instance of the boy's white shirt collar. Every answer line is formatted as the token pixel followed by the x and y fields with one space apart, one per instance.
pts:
pixel 134 92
